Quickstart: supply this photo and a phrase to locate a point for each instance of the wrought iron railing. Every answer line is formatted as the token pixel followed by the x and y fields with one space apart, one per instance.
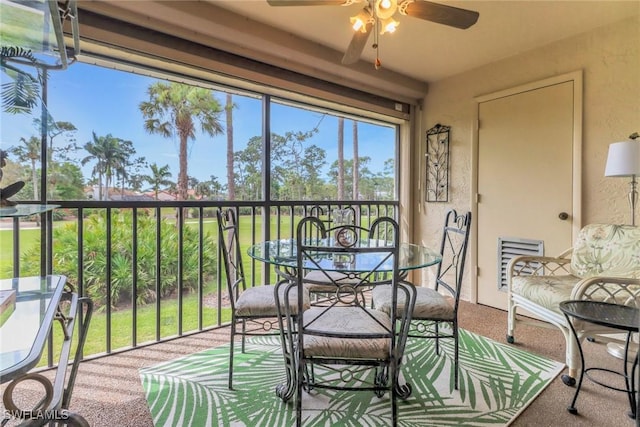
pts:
pixel 107 250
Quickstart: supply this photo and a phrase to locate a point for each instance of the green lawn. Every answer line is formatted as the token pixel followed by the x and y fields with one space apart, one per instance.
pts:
pixel 122 325
pixel 122 318
pixel 28 239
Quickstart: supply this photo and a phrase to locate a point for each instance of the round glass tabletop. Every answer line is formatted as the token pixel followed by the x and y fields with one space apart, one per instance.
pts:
pixel 283 253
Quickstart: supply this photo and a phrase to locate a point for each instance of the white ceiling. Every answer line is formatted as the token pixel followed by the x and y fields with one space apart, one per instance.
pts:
pixel 428 51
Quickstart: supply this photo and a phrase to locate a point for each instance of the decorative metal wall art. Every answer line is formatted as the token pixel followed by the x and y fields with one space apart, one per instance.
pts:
pixel 437 168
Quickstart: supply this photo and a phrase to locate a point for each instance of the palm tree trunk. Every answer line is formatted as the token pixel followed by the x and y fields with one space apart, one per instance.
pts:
pixel 182 175
pixel 100 186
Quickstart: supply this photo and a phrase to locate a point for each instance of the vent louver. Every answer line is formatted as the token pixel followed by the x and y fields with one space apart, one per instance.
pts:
pixel 510 247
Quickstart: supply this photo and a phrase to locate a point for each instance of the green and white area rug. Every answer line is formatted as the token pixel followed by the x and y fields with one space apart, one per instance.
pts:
pixel 497 382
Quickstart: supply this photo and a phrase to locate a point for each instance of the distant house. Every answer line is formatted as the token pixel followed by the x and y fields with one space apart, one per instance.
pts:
pixel 162 195
pixel 116 194
pixel 131 197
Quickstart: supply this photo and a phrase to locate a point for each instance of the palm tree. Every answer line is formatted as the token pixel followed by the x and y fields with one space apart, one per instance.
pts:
pixel 172 108
pixel 95 153
pixel 110 154
pixel 30 152
pixel 22 92
pixel 159 177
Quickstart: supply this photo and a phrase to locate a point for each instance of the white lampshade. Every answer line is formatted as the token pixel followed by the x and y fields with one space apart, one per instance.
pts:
pixel 623 159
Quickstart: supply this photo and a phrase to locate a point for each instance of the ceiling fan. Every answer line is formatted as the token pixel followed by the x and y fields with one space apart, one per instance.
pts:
pixel 377 17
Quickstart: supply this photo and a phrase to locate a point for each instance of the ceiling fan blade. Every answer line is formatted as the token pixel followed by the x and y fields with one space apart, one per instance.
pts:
pixel 305 2
pixel 356 46
pixel 442 14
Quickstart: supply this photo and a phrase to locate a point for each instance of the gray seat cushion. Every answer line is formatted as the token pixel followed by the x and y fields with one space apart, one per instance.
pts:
pixel 346 320
pixel 261 301
pixel 429 303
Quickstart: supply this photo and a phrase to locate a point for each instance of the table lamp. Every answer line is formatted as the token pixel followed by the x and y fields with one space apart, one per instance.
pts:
pixel 624 160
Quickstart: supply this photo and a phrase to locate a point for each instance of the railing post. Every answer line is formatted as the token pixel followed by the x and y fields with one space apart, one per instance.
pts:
pixel 266 179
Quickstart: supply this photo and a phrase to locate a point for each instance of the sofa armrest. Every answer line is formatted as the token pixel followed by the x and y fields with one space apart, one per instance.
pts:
pixel 538 265
pixel 618 290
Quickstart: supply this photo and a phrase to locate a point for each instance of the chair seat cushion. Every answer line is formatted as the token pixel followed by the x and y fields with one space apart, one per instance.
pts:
pixel 429 303
pixel 261 301
pixel 347 320
pixel 546 291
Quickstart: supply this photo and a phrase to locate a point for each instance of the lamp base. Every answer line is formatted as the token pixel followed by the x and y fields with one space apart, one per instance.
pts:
pixel 633 198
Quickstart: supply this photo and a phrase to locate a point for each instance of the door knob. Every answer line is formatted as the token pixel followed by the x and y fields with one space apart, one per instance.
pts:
pixel 563 216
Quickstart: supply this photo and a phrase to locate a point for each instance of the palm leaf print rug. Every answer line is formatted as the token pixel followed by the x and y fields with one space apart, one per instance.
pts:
pixel 497 382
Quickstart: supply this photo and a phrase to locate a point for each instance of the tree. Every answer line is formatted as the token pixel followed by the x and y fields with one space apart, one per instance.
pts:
pixel 56 155
pixel 215 188
pixel 288 167
pixel 136 181
pixel 295 167
pixel 124 171
pixel 365 176
pixel 110 154
pixel 172 109
pixel 55 129
pixel 159 178
pixel 248 169
pixel 313 161
pixel 70 182
pixel 22 92
pixel 30 151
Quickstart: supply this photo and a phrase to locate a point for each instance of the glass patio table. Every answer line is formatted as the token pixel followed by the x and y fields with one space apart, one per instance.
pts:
pixel 31 306
pixel 283 255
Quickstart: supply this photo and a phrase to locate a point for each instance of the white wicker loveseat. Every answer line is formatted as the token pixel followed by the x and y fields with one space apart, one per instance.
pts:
pixel 604 265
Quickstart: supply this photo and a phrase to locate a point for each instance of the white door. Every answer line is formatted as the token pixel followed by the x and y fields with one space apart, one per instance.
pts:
pixel 525 179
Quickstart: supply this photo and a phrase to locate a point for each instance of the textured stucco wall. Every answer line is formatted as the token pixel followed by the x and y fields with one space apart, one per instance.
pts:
pixel 609 58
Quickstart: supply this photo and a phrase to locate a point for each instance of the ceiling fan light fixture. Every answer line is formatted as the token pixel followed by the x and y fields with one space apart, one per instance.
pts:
pixel 359 22
pixel 385 9
pixel 389 25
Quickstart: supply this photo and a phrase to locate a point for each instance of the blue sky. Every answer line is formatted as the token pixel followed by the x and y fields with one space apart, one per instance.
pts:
pixel 104 101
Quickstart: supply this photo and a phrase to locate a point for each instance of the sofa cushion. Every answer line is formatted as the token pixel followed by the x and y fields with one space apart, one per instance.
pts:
pixel 607 250
pixel 546 291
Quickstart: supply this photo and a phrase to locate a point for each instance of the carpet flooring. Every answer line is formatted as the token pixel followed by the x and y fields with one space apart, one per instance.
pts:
pixel 497 382
pixel 109 392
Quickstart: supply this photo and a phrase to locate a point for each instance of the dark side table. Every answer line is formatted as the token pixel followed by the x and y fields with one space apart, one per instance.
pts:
pixel 615 316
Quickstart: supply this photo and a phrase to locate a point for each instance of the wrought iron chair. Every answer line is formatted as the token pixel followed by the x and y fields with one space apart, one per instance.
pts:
pixel 432 308
pixel 319 288
pixel 253 307
pixel 345 344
